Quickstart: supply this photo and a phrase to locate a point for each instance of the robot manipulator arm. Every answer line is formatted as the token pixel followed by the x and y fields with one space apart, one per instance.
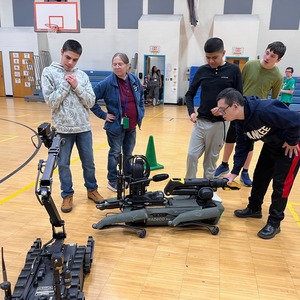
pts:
pixel 193 186
pixel 43 187
pixel 54 270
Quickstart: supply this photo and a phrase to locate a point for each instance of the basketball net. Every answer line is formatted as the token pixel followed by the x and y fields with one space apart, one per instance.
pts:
pixel 52 30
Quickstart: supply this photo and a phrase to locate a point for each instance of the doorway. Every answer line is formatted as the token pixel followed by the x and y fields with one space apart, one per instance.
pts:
pixel 239 61
pixel 160 62
pixel 23 74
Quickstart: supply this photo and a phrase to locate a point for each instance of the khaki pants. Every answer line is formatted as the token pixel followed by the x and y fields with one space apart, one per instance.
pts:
pixel 208 138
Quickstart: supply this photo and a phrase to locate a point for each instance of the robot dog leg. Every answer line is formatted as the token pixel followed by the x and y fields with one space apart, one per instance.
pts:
pixel 125 217
pixel 207 218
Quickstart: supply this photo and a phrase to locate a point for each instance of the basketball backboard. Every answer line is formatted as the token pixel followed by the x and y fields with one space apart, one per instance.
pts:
pixel 62 14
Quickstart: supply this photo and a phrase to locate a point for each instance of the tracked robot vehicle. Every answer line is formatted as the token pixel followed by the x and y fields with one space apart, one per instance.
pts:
pixel 53 271
pixel 184 202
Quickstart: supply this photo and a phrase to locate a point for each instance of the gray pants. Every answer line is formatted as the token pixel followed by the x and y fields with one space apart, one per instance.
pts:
pixel 154 90
pixel 207 138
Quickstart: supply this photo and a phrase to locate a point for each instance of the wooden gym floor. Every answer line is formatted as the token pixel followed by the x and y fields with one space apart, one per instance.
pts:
pixel 169 263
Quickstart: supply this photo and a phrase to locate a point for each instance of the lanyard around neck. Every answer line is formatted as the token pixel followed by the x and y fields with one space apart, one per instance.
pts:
pixel 124 98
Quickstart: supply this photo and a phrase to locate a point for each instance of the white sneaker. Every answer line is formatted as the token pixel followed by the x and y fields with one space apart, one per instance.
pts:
pixel 112 186
pixel 216 198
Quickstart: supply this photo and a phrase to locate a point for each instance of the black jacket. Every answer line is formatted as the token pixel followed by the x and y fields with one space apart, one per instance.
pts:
pixel 268 120
pixel 212 82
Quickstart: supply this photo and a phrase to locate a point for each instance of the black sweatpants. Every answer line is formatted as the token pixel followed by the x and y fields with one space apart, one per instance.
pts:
pixel 273 164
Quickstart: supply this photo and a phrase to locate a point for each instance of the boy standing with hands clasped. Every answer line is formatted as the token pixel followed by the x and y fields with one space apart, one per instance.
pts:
pixel 68 92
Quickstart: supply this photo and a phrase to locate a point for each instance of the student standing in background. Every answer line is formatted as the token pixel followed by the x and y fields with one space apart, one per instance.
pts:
pixel 288 87
pixel 154 84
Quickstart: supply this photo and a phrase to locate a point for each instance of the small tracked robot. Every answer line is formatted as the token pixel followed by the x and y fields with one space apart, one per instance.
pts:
pixel 53 271
pixel 184 202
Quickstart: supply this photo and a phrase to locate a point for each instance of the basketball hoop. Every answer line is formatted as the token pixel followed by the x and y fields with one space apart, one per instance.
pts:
pixel 52 29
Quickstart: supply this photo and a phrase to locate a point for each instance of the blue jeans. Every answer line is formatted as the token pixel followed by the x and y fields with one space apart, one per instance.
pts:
pixel 84 144
pixel 124 142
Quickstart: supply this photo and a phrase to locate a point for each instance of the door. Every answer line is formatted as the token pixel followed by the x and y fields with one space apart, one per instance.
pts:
pixel 159 61
pixel 22 73
pixel 240 61
pixel 2 83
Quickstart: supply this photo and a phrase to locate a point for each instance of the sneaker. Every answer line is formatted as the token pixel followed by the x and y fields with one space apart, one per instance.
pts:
pixel 67 204
pixel 95 196
pixel 113 186
pixel 221 170
pixel 216 198
pixel 245 179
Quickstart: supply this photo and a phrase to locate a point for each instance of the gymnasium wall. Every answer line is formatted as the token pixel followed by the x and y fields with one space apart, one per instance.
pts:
pixel 101 43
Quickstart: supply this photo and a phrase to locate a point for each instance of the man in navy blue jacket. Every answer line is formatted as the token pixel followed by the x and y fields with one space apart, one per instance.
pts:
pixel 279 128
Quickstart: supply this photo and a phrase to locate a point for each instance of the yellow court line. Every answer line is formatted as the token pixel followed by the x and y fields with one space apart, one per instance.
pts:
pixel 26 188
pixel 7 139
pixel 73 161
pixel 294 214
pixel 294 203
pixel 2 134
pixel 289 205
pixel 101 146
pixel 150 119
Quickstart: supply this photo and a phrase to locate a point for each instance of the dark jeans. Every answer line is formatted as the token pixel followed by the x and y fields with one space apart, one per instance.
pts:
pixel 124 143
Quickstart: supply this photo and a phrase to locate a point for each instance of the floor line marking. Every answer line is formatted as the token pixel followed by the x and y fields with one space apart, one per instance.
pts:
pixel 29 186
pixel 294 214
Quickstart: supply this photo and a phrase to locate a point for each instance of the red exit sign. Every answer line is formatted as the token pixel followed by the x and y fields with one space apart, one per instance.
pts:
pixel 154 48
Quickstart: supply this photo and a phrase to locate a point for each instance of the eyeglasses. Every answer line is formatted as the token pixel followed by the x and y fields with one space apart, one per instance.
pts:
pixel 288 71
pixel 222 110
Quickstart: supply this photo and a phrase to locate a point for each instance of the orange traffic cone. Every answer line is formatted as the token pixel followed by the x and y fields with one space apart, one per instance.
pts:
pixel 151 156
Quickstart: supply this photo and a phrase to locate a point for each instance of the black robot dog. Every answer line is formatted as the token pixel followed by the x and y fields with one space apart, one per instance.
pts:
pixel 189 201
pixel 55 270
